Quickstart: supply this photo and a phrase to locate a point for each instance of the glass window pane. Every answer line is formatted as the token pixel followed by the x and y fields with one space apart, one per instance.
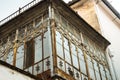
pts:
pixel 38 49
pixel 89 61
pixel 80 54
pixel 66 45
pixel 92 75
pixel 10 57
pixel 19 63
pixel 46 45
pixel 73 49
pixel 67 57
pixel 82 66
pixel 58 37
pixel 20 57
pixel 75 61
pixel 108 74
pixel 20 52
pixel 97 75
pixel 59 50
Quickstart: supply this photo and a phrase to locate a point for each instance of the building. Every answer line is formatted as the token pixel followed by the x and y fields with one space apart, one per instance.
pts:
pixel 49 41
pixel 106 20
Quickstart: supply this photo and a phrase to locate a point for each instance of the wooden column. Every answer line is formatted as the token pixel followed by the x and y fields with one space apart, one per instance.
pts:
pixel 53 38
pixel 15 54
pixel 15 48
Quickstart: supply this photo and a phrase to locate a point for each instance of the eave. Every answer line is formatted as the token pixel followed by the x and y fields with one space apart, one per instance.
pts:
pixel 111 8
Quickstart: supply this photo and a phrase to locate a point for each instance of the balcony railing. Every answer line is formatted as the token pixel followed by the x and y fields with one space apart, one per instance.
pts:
pixel 24 8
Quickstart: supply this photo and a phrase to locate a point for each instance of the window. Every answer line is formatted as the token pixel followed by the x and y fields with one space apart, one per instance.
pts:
pixel 10 57
pixel 83 67
pixel 96 70
pixel 66 51
pixel 90 66
pixel 108 74
pixel 38 49
pixel 46 45
pixel 102 72
pixel 59 44
pixel 74 56
pixel 20 57
pixel 29 54
pixel 82 62
pixel 59 50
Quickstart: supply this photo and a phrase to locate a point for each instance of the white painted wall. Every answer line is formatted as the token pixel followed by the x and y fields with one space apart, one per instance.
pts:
pixel 111 31
pixel 8 74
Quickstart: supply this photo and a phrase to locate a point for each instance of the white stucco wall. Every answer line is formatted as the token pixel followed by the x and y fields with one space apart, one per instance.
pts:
pixel 9 74
pixel 111 31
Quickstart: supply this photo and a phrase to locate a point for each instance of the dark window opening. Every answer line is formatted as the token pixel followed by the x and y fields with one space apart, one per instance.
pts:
pixel 29 53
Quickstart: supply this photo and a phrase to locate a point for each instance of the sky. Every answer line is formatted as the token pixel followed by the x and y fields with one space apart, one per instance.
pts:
pixel 116 4
pixel 7 7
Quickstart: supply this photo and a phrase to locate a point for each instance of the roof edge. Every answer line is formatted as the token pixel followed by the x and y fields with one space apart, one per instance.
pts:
pixel 111 8
pixel 73 2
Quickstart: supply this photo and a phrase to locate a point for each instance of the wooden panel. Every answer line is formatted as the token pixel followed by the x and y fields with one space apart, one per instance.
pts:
pixel 64 75
pixel 45 75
